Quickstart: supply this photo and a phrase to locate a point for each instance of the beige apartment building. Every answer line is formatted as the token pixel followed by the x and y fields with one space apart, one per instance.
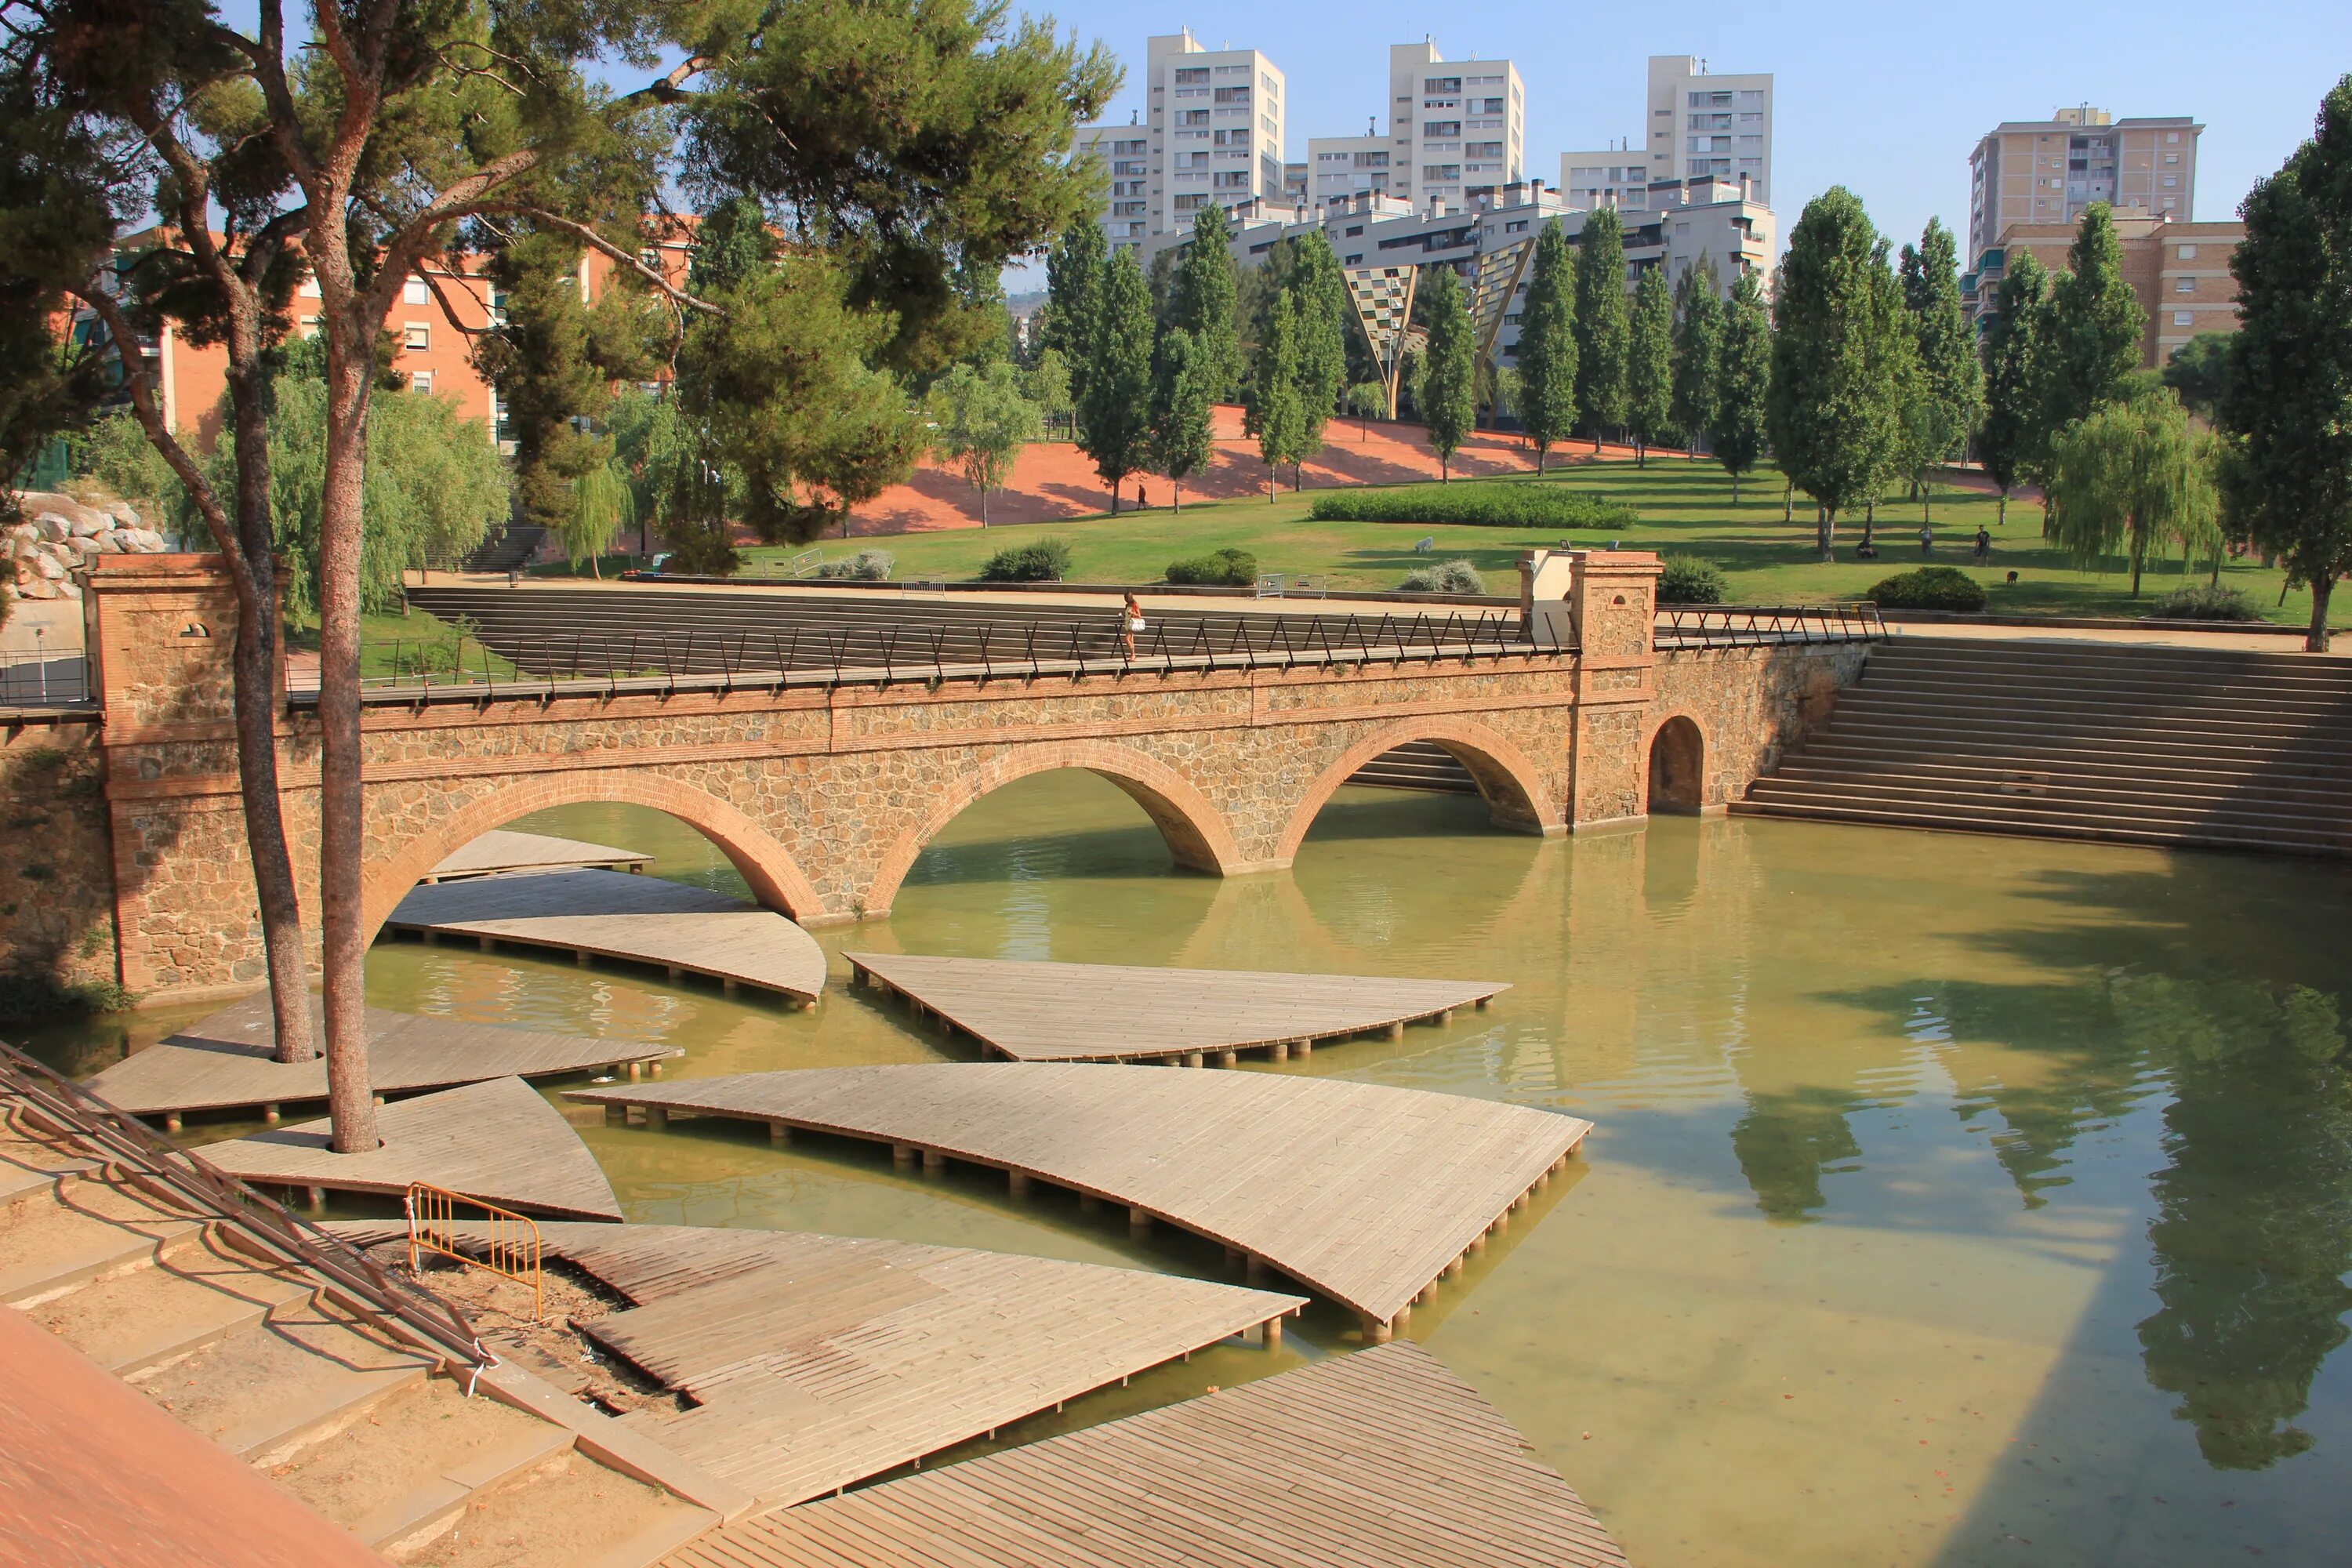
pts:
pixel 2178 271
pixel 1699 126
pixel 1457 133
pixel 1212 132
pixel 2047 171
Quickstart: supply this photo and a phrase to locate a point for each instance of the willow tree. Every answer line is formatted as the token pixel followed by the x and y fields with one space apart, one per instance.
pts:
pixel 2132 478
pixel 386 133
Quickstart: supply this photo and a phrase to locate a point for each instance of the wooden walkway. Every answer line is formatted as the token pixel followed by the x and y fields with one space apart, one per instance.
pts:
pixel 222 1063
pixel 1364 1193
pixel 497 1140
pixel 501 851
pixel 818 1361
pixel 1035 1012
pixel 607 914
pixel 1378 1459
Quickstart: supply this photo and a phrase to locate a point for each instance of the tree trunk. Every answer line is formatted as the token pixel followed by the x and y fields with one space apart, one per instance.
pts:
pixel 1735 490
pixel 1869 527
pixel 1825 531
pixel 1787 501
pixel 1641 453
pixel 1926 500
pixel 2001 518
pixel 983 507
pixel 342 826
pixel 2315 640
pixel 1114 495
pixel 1543 456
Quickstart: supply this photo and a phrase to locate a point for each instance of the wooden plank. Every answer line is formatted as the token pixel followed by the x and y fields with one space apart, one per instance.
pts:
pixel 1106 1012
pixel 224 1062
pixel 497 1140
pixel 1382 1458
pixel 1363 1192
pixel 645 919
pixel 818 1361
pixel 502 851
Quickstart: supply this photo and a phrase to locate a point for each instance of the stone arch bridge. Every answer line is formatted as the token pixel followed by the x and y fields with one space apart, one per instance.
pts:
pixel 824 794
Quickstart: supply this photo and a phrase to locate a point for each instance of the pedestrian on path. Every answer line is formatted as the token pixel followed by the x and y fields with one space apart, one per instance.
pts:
pixel 1984 545
pixel 1927 541
pixel 1130 621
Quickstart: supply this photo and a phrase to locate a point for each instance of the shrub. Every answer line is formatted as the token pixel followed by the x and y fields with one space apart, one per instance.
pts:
pixel 1687 580
pixel 1445 578
pixel 2204 601
pixel 865 566
pixel 1929 588
pixel 1492 505
pixel 33 995
pixel 1047 561
pixel 1227 567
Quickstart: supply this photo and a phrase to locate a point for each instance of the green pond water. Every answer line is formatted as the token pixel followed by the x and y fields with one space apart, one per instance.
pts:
pixel 1952 1200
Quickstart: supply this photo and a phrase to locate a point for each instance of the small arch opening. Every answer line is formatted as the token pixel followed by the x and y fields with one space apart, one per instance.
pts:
pixel 1677 768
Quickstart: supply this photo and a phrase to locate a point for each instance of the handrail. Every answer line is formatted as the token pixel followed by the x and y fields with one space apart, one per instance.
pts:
pixel 1686 626
pixel 507 1244
pixel 393 1305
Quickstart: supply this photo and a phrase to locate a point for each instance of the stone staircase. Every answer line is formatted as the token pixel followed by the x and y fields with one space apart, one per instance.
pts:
pixel 266 1359
pixel 1417 764
pixel 2120 742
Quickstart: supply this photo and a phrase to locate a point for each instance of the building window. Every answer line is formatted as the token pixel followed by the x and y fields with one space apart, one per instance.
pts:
pixel 412 292
pixel 2171 136
pixel 1193 76
pixel 416 336
pixel 420 381
pixel 1441 128
pixel 1232 180
pixel 1517 225
pixel 2184 318
pixel 2170 181
pixel 2172 157
pixel 1190 204
pixel 2187 253
pixel 1191 117
pixel 2184 285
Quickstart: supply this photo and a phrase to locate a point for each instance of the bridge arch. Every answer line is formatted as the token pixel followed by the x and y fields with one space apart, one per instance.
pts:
pixel 776 881
pixel 1676 763
pixel 1507 778
pixel 1199 839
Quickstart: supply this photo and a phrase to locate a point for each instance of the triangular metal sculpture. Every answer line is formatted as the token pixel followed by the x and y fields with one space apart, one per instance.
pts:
pixel 1382 297
pixel 1499 273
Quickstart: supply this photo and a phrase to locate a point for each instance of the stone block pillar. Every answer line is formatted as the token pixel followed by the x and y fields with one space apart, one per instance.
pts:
pixel 1612 598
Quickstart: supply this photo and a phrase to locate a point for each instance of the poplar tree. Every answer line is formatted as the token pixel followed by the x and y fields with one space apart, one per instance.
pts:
pixel 1546 349
pixel 1201 298
pixel 1321 297
pixel 1698 334
pixel 1948 390
pixel 1743 381
pixel 2010 439
pixel 1837 368
pixel 1274 415
pixel 1115 408
pixel 1650 364
pixel 2286 396
pixel 2096 326
pixel 1449 385
pixel 1603 332
pixel 1074 274
pixel 1183 435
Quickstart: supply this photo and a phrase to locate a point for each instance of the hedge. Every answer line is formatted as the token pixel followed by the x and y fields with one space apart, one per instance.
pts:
pixel 1487 504
pixel 1047 561
pixel 1929 588
pixel 1226 568
pixel 1687 580
pixel 2204 601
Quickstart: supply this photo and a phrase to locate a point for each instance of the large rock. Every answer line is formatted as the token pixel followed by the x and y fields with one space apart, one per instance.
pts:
pixel 79 518
pixel 48 568
pixel 148 539
pixel 37 588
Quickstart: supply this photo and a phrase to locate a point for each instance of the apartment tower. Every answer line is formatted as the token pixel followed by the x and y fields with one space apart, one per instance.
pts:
pixel 2048 170
pixel 1699 126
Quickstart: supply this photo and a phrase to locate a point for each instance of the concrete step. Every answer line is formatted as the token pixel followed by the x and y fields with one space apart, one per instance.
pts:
pixel 195 1294
pixel 2193 764
pixel 2219 837
pixel 89 1230
pixel 565 1513
pixel 1863 705
pixel 2286 829
pixel 2171 701
pixel 1951 729
pixel 2317 804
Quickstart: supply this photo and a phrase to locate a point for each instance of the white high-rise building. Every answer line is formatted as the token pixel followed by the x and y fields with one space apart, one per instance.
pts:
pixel 1343 166
pixel 1125 154
pixel 1700 126
pixel 1214 124
pixel 1457 129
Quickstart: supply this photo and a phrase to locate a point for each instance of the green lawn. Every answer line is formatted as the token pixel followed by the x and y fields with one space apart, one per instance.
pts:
pixel 405 645
pixel 1686 508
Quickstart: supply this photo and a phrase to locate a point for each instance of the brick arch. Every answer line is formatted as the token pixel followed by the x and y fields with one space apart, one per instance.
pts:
pixel 1674 758
pixel 1198 835
pixel 776 881
pixel 1507 778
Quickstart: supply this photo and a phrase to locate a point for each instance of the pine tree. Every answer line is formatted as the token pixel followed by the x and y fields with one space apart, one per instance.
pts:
pixel 1949 389
pixel 1650 364
pixel 1114 409
pixel 1603 332
pixel 2009 440
pixel 2096 326
pixel 1201 298
pixel 1834 413
pixel 1074 274
pixel 1183 439
pixel 1546 349
pixel 1698 334
pixel 2288 394
pixel 1449 385
pixel 1743 381
pixel 1275 417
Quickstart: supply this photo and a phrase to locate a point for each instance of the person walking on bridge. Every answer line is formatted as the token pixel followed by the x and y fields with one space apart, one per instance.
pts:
pixel 1130 621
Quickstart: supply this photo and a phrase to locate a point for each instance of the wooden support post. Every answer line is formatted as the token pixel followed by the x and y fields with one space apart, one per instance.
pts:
pixel 317 1196
pixel 1453 1269
pixel 1394 1032
pixel 780 1132
pixel 1305 1047
pixel 903 1156
pixel 727 985
pixel 672 973
pixel 1139 1219
pixel 1442 1016
pixel 171 1121
pixel 1229 1058
pixel 1520 1202
pixel 269 1115
pixel 580 957
pixel 489 945
pixel 1278 1051
pixel 616 1116
pixel 1018 1182
pixel 1428 1293
pixel 1376 1331
pixel 1270 1334
pixel 1088 1203
pixel 657 1117
pixel 1192 1058
pixel 1255 1270
pixel 934 1161
pixel 1234 1255
pixel 654 1068
pixel 1403 1316
pixel 1478 1242
pixel 1485 1002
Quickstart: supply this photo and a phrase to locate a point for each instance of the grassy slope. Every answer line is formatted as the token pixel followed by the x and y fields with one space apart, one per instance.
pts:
pixel 1685 507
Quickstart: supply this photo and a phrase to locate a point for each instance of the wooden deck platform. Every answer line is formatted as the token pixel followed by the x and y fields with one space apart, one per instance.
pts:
pixel 608 914
pixel 497 1140
pixel 1378 1459
pixel 1364 1193
pixel 222 1063
pixel 1035 1012
pixel 502 851
pixel 818 1361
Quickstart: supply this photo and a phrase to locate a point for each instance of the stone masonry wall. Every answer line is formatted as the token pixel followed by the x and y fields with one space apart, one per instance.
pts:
pixel 57 877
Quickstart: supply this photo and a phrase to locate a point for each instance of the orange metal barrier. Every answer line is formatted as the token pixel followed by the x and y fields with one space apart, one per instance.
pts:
pixel 499 1240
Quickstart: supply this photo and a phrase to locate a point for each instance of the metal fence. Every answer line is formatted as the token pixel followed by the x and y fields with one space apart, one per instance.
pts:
pixel 35 677
pixel 1761 626
pixel 816 655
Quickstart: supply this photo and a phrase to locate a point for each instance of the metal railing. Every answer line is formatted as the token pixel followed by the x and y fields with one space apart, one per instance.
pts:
pixel 500 1242
pixel 1759 625
pixel 115 1137
pixel 35 677
pixel 812 653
